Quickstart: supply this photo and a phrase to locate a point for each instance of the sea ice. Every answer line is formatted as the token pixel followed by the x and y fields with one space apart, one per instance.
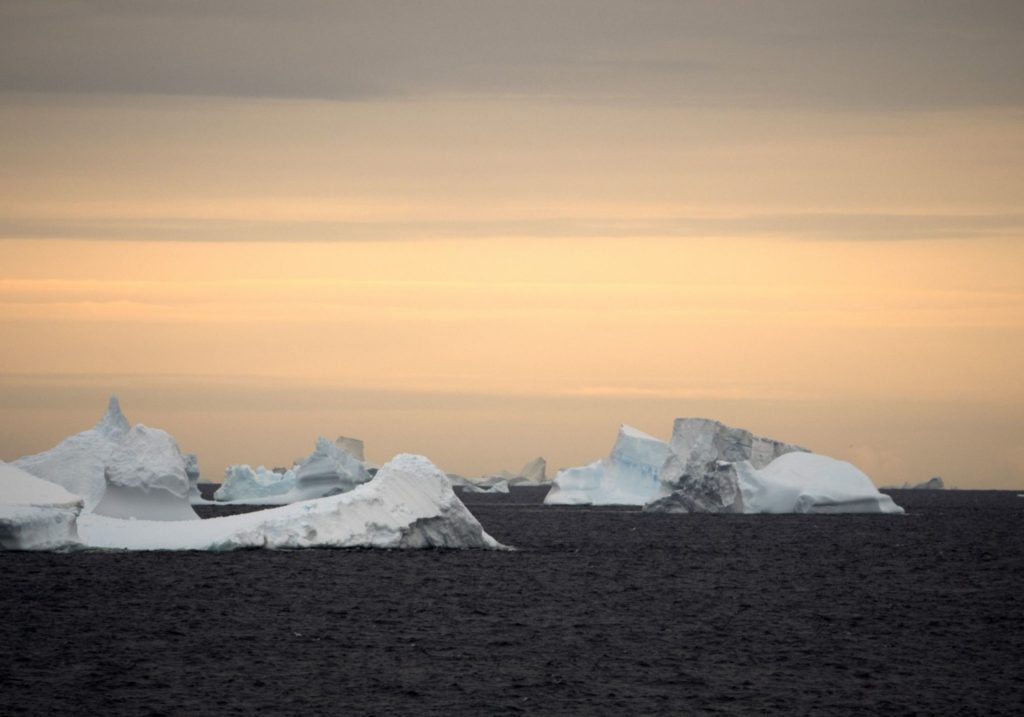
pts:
pixel 408 504
pixel 35 514
pixel 629 476
pixel 77 463
pixel 146 478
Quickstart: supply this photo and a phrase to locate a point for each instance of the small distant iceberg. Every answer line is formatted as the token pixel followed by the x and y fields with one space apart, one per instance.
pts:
pixel 330 469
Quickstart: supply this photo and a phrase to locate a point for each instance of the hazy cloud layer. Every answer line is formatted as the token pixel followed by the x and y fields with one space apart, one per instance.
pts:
pixel 839 226
pixel 889 54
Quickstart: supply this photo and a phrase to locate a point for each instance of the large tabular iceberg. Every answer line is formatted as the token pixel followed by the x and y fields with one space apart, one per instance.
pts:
pixel 328 470
pixel 78 463
pixel 146 478
pixel 35 514
pixel 631 475
pixel 408 504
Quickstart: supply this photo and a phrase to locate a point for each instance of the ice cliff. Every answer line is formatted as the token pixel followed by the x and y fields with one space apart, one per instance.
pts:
pixel 35 514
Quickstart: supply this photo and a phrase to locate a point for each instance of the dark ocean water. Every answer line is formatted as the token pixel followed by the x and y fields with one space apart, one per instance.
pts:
pixel 600 611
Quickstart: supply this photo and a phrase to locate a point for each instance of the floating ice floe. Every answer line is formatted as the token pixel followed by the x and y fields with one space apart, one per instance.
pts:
pixel 35 514
pixel 146 478
pixel 408 504
pixel 328 470
pixel 78 463
pixel 712 468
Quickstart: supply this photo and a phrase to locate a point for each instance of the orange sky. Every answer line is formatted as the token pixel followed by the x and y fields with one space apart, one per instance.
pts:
pixel 488 276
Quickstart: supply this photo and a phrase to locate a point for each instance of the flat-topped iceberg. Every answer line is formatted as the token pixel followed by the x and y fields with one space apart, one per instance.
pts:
pixel 630 475
pixel 408 504
pixel 78 463
pixel 328 470
pixel 146 478
pixel 35 514
pixel 353 446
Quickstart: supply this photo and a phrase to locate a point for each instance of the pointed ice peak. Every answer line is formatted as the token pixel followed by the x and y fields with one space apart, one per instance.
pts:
pixel 113 422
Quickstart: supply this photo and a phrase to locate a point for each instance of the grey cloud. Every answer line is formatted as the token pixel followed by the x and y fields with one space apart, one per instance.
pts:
pixel 873 55
pixel 838 226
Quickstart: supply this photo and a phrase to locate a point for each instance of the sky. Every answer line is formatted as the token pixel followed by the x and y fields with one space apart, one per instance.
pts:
pixel 486 231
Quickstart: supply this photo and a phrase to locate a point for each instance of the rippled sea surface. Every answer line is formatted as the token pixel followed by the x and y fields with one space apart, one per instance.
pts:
pixel 600 611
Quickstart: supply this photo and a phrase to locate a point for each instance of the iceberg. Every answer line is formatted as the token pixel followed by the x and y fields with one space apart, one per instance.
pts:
pixel 352 446
pixel 146 478
pixel 78 463
pixel 712 468
pixel 533 473
pixel 194 479
pixel 498 487
pixel 796 482
pixel 934 483
pixel 408 504
pixel 809 483
pixel 328 470
pixel 631 475
pixel 35 514
pixel 242 483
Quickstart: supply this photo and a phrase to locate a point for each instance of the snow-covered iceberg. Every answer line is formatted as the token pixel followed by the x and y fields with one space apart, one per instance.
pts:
pixel 326 471
pixel 78 463
pixel 631 475
pixel 712 468
pixel 408 504
pixel 35 514
pixel 243 483
pixel 796 482
pixel 146 478
pixel 809 483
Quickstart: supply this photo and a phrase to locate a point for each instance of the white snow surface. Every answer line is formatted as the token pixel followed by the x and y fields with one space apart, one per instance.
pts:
pixel 146 478
pixel 35 514
pixel 629 476
pixel 77 463
pixel 408 504
pixel 810 483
